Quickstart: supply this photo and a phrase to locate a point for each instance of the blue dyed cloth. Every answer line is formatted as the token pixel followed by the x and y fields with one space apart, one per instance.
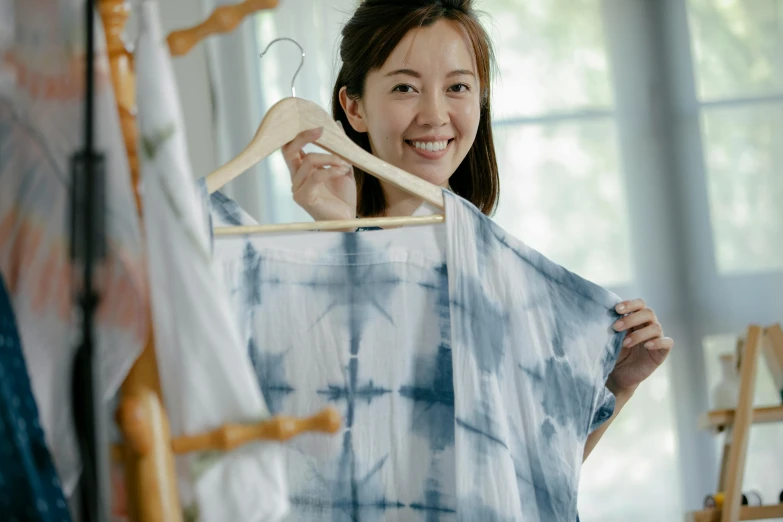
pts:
pixel 29 487
pixel 469 368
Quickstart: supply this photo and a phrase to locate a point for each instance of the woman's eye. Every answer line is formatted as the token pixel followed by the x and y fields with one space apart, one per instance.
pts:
pixel 460 87
pixel 404 88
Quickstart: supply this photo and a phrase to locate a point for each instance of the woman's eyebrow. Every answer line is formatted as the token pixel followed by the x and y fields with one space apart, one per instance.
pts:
pixel 411 72
pixel 407 72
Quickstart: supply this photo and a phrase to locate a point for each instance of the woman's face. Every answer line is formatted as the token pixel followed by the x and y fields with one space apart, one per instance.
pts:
pixel 421 109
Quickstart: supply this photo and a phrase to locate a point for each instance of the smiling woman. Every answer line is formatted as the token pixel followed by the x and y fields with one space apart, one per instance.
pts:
pixel 414 90
pixel 611 166
pixel 420 110
pixel 423 105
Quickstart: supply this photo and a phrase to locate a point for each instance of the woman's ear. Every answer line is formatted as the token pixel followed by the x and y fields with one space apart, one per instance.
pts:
pixel 353 111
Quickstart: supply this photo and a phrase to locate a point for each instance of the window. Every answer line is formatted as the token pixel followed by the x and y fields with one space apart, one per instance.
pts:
pixel 738 50
pixel 561 180
pixel 563 192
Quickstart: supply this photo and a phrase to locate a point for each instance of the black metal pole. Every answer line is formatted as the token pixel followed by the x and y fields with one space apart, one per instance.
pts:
pixel 89 91
pixel 87 249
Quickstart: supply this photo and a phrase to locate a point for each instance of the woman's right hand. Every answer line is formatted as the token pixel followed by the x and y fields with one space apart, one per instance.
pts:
pixel 323 184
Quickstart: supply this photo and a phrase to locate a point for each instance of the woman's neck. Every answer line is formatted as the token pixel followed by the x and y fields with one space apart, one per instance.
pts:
pixel 399 202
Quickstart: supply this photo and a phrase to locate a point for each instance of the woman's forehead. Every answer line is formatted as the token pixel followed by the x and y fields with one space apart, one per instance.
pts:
pixel 443 46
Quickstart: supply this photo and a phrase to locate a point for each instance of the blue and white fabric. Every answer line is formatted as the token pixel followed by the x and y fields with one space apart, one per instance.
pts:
pixel 29 486
pixel 469 369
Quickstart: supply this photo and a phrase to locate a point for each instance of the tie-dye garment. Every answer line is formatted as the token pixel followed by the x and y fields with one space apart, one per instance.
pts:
pixel 41 120
pixel 469 368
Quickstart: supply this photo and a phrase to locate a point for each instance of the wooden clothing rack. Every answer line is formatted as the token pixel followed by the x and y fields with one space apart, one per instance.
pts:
pixel 147 452
pixel 737 423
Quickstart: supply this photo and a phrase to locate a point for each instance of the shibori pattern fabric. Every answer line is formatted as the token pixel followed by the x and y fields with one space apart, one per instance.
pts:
pixel 206 374
pixel 533 347
pixel 468 367
pixel 41 117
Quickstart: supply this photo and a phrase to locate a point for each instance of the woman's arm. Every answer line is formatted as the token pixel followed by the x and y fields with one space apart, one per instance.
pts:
pixel 620 400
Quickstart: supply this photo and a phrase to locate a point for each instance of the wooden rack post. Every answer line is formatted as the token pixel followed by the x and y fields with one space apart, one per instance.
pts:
pixel 148 462
pixel 148 450
pixel 737 423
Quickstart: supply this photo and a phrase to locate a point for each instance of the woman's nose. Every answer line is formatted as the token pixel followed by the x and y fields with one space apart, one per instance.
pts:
pixel 433 111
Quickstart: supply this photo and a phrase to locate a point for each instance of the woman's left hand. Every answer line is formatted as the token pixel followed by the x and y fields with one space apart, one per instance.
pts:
pixel 644 347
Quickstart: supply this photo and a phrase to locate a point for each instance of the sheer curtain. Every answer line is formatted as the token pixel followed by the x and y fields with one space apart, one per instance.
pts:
pixel 640 145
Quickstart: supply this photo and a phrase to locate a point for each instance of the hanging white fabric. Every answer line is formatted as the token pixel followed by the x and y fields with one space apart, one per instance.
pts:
pixel 206 374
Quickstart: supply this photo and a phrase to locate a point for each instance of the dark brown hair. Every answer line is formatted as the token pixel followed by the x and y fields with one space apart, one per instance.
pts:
pixel 368 39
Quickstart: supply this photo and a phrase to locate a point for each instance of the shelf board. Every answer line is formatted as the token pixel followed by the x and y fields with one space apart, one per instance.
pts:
pixel 746 513
pixel 717 420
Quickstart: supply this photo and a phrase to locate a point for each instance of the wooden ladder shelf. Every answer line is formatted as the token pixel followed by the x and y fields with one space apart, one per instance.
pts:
pixel 737 424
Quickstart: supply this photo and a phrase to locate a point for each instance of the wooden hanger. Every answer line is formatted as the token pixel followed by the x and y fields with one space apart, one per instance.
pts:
pixel 223 19
pixel 291 116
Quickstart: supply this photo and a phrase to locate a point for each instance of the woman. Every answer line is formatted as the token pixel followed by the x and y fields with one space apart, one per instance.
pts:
pixel 414 90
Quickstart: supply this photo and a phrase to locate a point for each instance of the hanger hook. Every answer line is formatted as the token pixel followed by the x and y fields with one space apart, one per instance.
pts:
pixel 301 61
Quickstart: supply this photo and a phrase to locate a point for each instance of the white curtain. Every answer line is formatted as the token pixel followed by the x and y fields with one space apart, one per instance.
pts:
pixel 640 145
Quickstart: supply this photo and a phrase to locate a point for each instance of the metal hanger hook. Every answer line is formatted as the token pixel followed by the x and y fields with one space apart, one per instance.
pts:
pixel 301 61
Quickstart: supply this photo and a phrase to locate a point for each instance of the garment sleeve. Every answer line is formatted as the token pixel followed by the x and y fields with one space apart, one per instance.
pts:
pixel 603 409
pixel 604 403
pixel 584 318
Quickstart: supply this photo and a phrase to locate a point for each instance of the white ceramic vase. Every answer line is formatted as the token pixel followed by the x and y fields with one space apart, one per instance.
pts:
pixel 726 393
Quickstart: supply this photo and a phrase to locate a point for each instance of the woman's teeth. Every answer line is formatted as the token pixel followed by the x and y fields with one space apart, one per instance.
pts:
pixel 431 146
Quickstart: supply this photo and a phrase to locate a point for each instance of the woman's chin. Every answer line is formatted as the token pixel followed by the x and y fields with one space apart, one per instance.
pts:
pixel 440 178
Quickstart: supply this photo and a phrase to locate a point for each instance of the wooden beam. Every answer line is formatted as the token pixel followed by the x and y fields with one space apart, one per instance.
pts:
pixel 718 420
pixel 149 478
pixel 745 513
pixel 743 417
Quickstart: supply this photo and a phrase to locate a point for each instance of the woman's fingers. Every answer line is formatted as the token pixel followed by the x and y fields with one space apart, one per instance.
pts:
pixel 638 318
pixel 633 305
pixel 313 186
pixel 648 333
pixel 661 343
pixel 312 163
pixel 322 175
pixel 292 151
pixel 322 184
